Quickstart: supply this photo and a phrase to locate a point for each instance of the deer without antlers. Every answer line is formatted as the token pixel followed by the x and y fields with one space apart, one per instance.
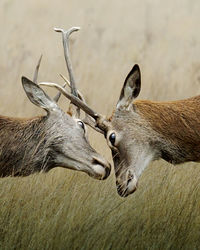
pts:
pixel 42 143
pixel 139 132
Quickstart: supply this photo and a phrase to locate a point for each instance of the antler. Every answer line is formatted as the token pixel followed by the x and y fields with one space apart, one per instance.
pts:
pixel 76 96
pixel 65 38
pixel 75 100
pixel 67 82
pixel 101 124
pixel 35 76
pixel 88 119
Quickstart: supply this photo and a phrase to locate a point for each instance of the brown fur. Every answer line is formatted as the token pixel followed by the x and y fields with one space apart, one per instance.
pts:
pixel 177 122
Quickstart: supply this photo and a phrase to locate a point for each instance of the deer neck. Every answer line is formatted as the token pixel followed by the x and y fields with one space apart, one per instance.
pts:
pixel 22 149
pixel 177 126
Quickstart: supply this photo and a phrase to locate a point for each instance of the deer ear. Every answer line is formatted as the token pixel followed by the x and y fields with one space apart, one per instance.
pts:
pixel 131 88
pixel 37 95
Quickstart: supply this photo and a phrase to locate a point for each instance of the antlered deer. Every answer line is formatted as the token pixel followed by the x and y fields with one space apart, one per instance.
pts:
pixel 143 131
pixel 42 143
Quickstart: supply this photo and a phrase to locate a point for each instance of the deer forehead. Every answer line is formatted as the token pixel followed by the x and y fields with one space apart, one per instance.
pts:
pixel 128 120
pixel 62 122
pixel 131 128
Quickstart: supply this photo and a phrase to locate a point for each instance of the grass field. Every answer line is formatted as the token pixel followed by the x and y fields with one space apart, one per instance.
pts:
pixel 69 210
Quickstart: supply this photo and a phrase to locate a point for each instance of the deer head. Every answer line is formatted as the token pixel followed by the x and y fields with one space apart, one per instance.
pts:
pixel 66 143
pixel 73 150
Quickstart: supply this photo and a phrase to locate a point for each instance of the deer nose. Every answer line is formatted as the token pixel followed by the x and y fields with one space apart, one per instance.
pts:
pixel 101 168
pixel 128 186
pixel 131 185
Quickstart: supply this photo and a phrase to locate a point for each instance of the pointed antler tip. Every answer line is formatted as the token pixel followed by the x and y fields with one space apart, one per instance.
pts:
pixel 77 28
pixel 70 30
pixel 58 30
pixel 40 57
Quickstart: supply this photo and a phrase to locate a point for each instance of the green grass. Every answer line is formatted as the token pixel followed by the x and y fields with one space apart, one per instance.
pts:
pixel 66 210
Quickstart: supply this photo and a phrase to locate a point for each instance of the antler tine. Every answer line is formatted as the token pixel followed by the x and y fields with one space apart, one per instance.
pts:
pixel 101 124
pixel 65 37
pixel 35 76
pixel 88 119
pixel 67 82
pixel 57 97
pixel 75 100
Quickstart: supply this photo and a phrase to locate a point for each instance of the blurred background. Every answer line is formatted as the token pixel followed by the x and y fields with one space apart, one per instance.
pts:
pixel 69 210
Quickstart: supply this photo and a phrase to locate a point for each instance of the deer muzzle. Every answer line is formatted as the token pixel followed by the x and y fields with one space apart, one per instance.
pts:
pixel 126 185
pixel 101 168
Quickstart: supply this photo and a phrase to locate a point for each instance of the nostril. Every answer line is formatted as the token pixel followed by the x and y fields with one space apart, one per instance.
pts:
pixel 101 168
pixel 101 162
pixel 130 177
pixel 131 185
pixel 107 173
pixel 129 180
pixel 130 174
pixel 95 162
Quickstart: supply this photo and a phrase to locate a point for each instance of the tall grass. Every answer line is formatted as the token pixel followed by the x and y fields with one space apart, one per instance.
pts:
pixel 63 210
pixel 69 210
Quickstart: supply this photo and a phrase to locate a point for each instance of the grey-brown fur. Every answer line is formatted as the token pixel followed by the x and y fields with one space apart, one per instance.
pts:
pixel 32 145
pixel 24 147
pixel 42 143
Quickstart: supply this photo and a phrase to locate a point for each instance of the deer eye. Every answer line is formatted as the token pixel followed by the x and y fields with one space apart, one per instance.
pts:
pixel 112 138
pixel 81 124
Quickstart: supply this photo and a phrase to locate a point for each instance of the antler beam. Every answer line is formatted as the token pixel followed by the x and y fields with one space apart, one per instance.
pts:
pixel 65 38
pixel 75 100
